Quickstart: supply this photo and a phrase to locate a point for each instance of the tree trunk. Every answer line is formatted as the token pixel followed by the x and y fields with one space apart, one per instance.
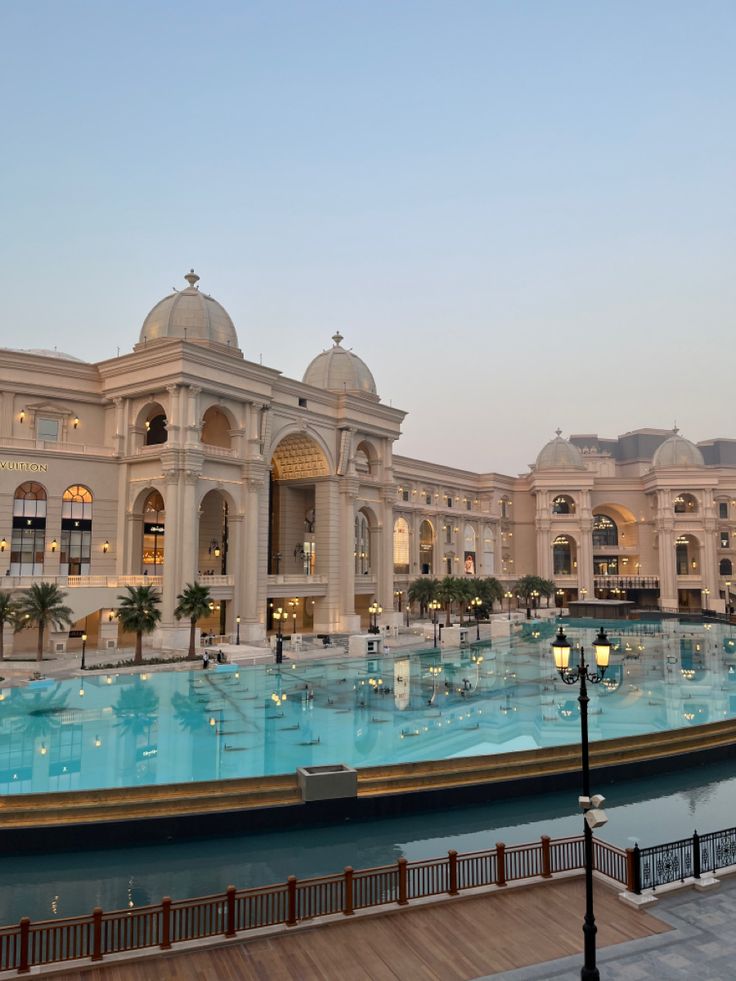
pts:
pixel 2 641
pixel 192 629
pixel 138 658
pixel 39 649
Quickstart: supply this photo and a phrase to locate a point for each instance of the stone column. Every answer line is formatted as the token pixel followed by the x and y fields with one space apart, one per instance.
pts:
pixel 328 608
pixel 385 567
pixel 348 496
pixel 252 584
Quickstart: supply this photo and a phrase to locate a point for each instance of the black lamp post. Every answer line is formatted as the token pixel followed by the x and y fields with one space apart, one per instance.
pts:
pixel 375 610
pixel 279 614
pixel 508 595
pixel 237 630
pixel 84 649
pixel 434 605
pixel 476 603
pixel 593 817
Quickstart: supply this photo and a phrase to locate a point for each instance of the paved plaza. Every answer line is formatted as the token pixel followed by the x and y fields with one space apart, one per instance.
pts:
pixel 701 945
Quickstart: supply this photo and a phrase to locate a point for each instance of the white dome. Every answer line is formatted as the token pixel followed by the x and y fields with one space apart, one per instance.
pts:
pixel 191 315
pixel 339 370
pixel 43 352
pixel 559 454
pixel 677 452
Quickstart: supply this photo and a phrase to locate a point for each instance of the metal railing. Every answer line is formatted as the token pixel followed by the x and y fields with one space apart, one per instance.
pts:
pixel 28 945
pixel 75 582
pixel 675 861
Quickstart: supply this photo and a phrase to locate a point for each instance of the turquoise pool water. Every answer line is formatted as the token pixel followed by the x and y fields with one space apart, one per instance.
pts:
pixel 126 730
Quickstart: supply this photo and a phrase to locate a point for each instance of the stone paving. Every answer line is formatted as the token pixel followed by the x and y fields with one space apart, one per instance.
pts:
pixel 700 947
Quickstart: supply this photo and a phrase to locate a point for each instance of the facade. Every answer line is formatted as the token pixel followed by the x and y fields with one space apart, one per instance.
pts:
pixel 182 460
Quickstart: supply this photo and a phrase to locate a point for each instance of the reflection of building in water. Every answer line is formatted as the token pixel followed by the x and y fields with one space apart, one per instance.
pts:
pixel 183 460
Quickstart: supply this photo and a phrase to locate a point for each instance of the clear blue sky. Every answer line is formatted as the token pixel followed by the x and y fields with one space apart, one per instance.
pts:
pixel 520 214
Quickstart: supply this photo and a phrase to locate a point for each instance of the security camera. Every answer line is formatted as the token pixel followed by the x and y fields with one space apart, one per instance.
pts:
pixel 596 818
pixel 597 800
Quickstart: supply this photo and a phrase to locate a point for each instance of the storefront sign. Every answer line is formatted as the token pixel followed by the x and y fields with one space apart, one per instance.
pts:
pixel 22 465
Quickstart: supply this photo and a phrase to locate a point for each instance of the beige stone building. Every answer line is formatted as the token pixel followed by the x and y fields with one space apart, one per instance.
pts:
pixel 182 460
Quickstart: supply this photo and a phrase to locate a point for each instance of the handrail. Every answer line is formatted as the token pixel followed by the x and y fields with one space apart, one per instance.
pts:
pixel 32 944
pixel 76 582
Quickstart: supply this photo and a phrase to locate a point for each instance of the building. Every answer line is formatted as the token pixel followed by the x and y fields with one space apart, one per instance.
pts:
pixel 182 460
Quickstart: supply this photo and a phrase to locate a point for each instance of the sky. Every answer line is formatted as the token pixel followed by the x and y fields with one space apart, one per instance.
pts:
pixel 520 214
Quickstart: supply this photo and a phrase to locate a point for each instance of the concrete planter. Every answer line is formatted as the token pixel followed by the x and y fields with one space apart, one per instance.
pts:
pixel 327 782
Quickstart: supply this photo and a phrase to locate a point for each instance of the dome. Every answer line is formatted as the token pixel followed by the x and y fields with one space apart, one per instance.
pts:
pixel 43 352
pixel 677 452
pixel 560 454
pixel 339 370
pixel 191 315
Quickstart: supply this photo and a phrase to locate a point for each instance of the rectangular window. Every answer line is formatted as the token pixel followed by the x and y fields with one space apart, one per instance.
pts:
pixel 405 495
pixel 302 403
pixel 427 498
pixel 448 501
pixel 469 505
pixel 448 534
pixel 724 539
pixel 723 509
pixel 48 430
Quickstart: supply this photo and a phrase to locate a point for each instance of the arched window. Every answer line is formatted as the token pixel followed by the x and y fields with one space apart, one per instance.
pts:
pixel 685 504
pixel 401 547
pixel 426 548
pixel 562 555
pixel 725 568
pixel 156 429
pixel 154 526
pixel 76 531
pixel 488 549
pixel 362 545
pixel 29 530
pixel 563 504
pixel 215 428
pixel 469 551
pixel 605 531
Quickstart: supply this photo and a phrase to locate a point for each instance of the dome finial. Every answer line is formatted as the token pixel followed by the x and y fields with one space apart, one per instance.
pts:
pixel 337 338
pixel 192 278
pixel 558 432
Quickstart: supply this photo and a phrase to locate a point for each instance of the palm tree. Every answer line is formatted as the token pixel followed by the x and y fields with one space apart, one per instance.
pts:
pixel 490 591
pixel 547 589
pixel 422 591
pixel 448 591
pixel 194 603
pixel 139 613
pixel 41 606
pixel 8 614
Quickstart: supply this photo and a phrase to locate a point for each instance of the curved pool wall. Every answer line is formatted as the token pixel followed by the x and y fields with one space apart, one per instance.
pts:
pixel 133 730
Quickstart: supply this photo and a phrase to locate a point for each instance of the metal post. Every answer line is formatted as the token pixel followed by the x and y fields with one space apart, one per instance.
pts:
pixel 237 630
pixel 84 649
pixel 434 623
pixel 589 971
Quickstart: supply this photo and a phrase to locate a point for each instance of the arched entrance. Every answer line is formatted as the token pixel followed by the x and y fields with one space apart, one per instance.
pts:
pixel 154 526
pixel 297 463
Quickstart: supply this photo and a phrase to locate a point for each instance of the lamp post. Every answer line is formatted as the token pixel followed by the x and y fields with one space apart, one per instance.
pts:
pixel 508 595
pixel 561 598
pixel 593 816
pixel 476 603
pixel 375 610
pixel 434 605
pixel 535 597
pixel 434 670
pixel 728 598
pixel 237 630
pixel 705 594
pixel 84 649
pixel 279 615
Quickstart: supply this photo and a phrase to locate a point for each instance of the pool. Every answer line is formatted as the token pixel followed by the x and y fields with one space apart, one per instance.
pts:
pixel 125 730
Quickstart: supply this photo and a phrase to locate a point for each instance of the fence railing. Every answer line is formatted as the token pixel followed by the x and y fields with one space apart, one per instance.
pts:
pixel 676 861
pixel 93 937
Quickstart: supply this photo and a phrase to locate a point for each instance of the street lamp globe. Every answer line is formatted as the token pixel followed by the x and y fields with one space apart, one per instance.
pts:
pixel 561 650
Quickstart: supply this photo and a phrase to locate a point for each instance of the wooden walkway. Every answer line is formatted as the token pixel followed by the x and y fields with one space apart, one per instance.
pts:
pixel 450 941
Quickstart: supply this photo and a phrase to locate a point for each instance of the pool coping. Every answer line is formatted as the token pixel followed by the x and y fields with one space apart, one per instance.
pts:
pixel 122 815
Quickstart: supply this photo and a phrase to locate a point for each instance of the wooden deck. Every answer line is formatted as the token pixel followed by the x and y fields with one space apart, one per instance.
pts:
pixel 450 941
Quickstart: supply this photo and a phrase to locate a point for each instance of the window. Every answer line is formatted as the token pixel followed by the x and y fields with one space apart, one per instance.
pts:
pixel 725 567
pixel 29 530
pixel 362 545
pixel 469 505
pixel 505 504
pixel 605 565
pixel 401 546
pixel 448 501
pixel 427 498
pixel 404 495
pixel 605 531
pixel 426 548
pixel 154 527
pixel 448 534
pixel 302 403
pixel 47 429
pixel 723 510
pixel 156 432
pixel 685 504
pixel 724 539
pixel 563 505
pixel 562 556
pixel 76 531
